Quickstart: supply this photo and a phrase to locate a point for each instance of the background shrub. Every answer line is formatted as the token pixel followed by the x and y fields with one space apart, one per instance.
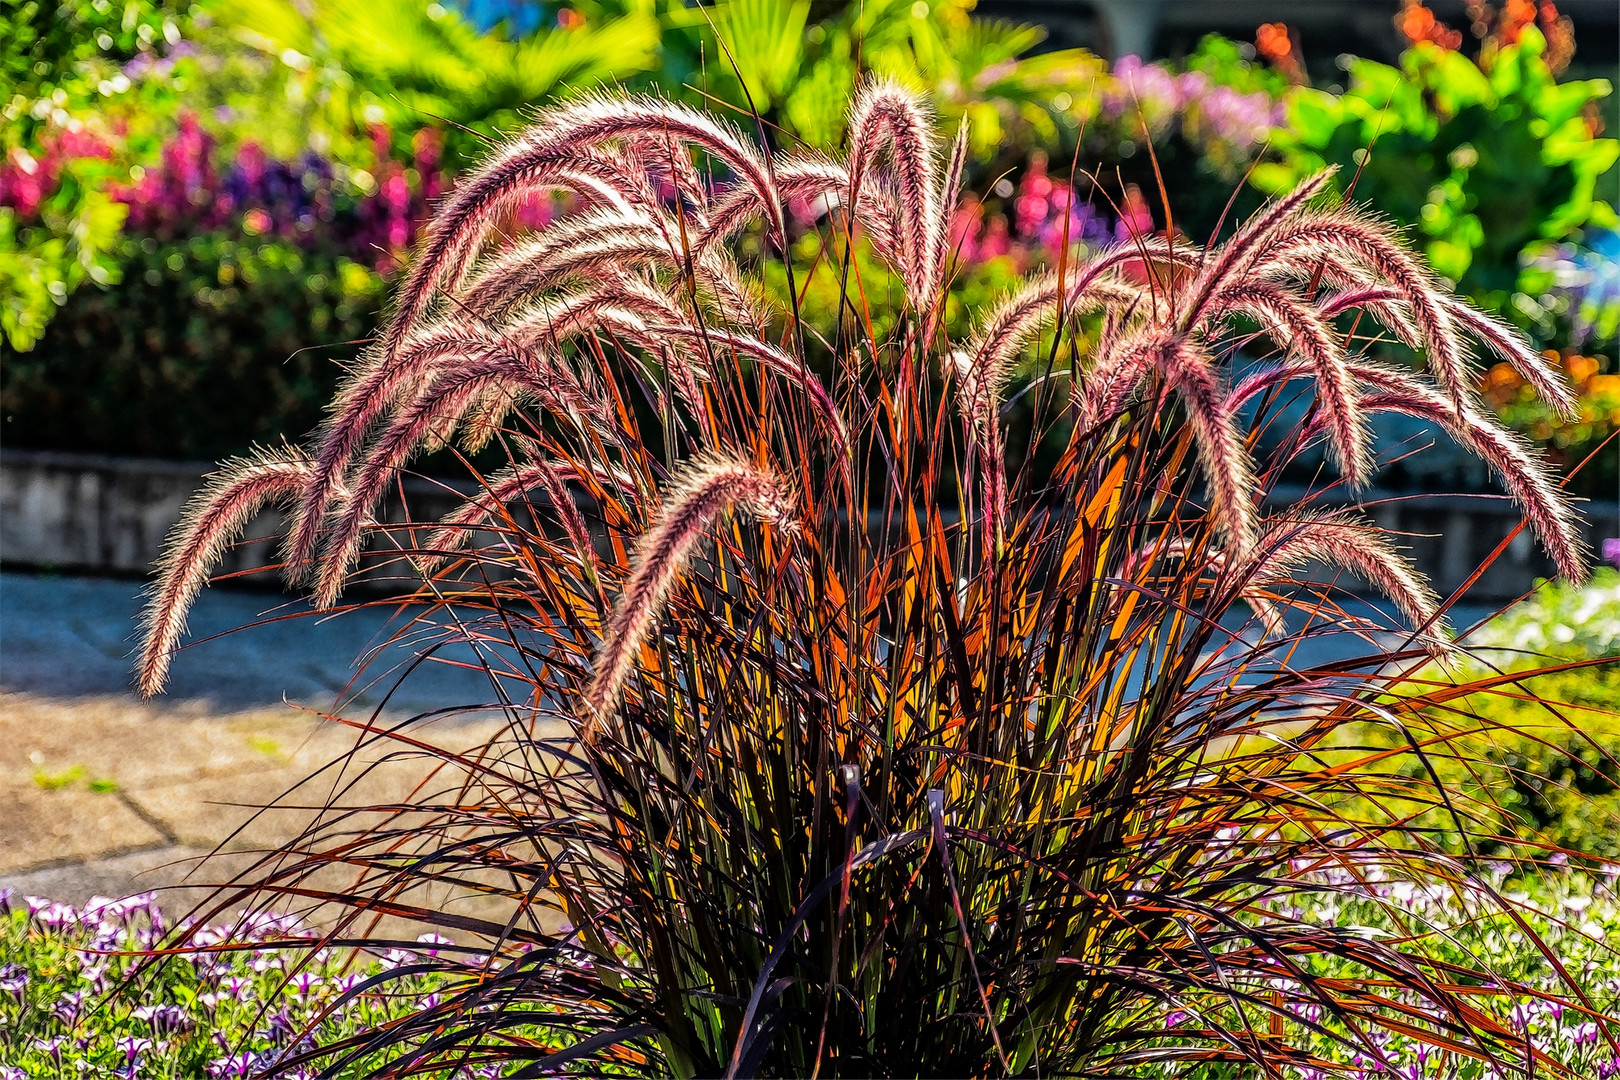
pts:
pixel 1539 759
pixel 208 345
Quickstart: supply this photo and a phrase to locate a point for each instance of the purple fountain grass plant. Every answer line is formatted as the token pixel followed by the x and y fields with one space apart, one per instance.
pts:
pixel 870 747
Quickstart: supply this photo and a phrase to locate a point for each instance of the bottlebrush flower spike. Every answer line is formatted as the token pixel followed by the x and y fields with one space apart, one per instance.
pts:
pixel 711 486
pixel 887 114
pixel 502 488
pixel 1515 461
pixel 1354 239
pixel 213 520
pixel 560 140
pixel 814 179
pixel 1341 538
pixel 373 393
pixel 446 397
pixel 1296 327
pixel 602 243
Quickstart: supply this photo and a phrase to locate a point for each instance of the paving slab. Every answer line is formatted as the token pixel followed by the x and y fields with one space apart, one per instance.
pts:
pixel 67 824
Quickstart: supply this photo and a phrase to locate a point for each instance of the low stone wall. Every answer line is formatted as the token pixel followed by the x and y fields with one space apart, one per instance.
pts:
pixel 94 514
pixel 107 515
pixel 1449 536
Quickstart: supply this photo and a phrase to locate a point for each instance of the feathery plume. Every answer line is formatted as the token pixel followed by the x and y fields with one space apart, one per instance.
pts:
pixel 1383 304
pixel 1221 451
pixel 954 167
pixel 1018 317
pixel 1233 257
pixel 939 240
pixel 374 391
pixel 630 308
pixel 1118 375
pixel 979 395
pixel 502 488
pixel 446 396
pixel 1515 461
pixel 213 520
pixel 1291 323
pixel 562 136
pixel 1506 342
pixel 817 180
pixel 602 243
pixel 1301 246
pixel 459 228
pixel 711 486
pixel 884 112
pixel 664 155
pixel 1343 539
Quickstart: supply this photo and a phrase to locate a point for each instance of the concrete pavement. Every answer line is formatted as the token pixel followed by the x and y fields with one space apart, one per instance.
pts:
pixel 104 793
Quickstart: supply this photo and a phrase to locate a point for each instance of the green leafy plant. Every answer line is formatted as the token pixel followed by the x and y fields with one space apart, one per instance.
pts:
pixel 1483 159
pixel 836 745
pixel 205 347
pixel 70 123
pixel 1541 761
pixel 344 67
pixel 799 71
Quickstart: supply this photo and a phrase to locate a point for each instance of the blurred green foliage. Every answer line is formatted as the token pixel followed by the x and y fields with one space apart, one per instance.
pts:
pixel 61 62
pixel 1482 158
pixel 287 73
pixel 1539 758
pixel 799 72
pixel 206 347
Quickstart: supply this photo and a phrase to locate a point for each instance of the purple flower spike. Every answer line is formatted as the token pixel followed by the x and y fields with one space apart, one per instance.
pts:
pixel 1611 550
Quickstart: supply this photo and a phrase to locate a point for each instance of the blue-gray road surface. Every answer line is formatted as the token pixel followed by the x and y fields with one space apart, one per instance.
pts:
pixel 68 637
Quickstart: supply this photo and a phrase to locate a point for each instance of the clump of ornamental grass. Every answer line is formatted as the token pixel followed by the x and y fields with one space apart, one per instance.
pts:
pixel 849 736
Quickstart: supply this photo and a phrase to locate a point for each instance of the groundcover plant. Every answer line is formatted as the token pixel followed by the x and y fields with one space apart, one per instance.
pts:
pixel 851 733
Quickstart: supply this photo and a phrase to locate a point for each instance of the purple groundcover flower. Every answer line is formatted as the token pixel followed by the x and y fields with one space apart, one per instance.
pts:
pixel 241 1065
pixel 1611 550
pixel 133 1048
pixel 165 1019
pixel 14 980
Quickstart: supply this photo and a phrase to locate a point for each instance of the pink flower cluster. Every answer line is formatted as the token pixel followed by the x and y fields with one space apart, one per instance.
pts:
pixel 191 191
pixel 27 180
pixel 1046 214
pixel 300 200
